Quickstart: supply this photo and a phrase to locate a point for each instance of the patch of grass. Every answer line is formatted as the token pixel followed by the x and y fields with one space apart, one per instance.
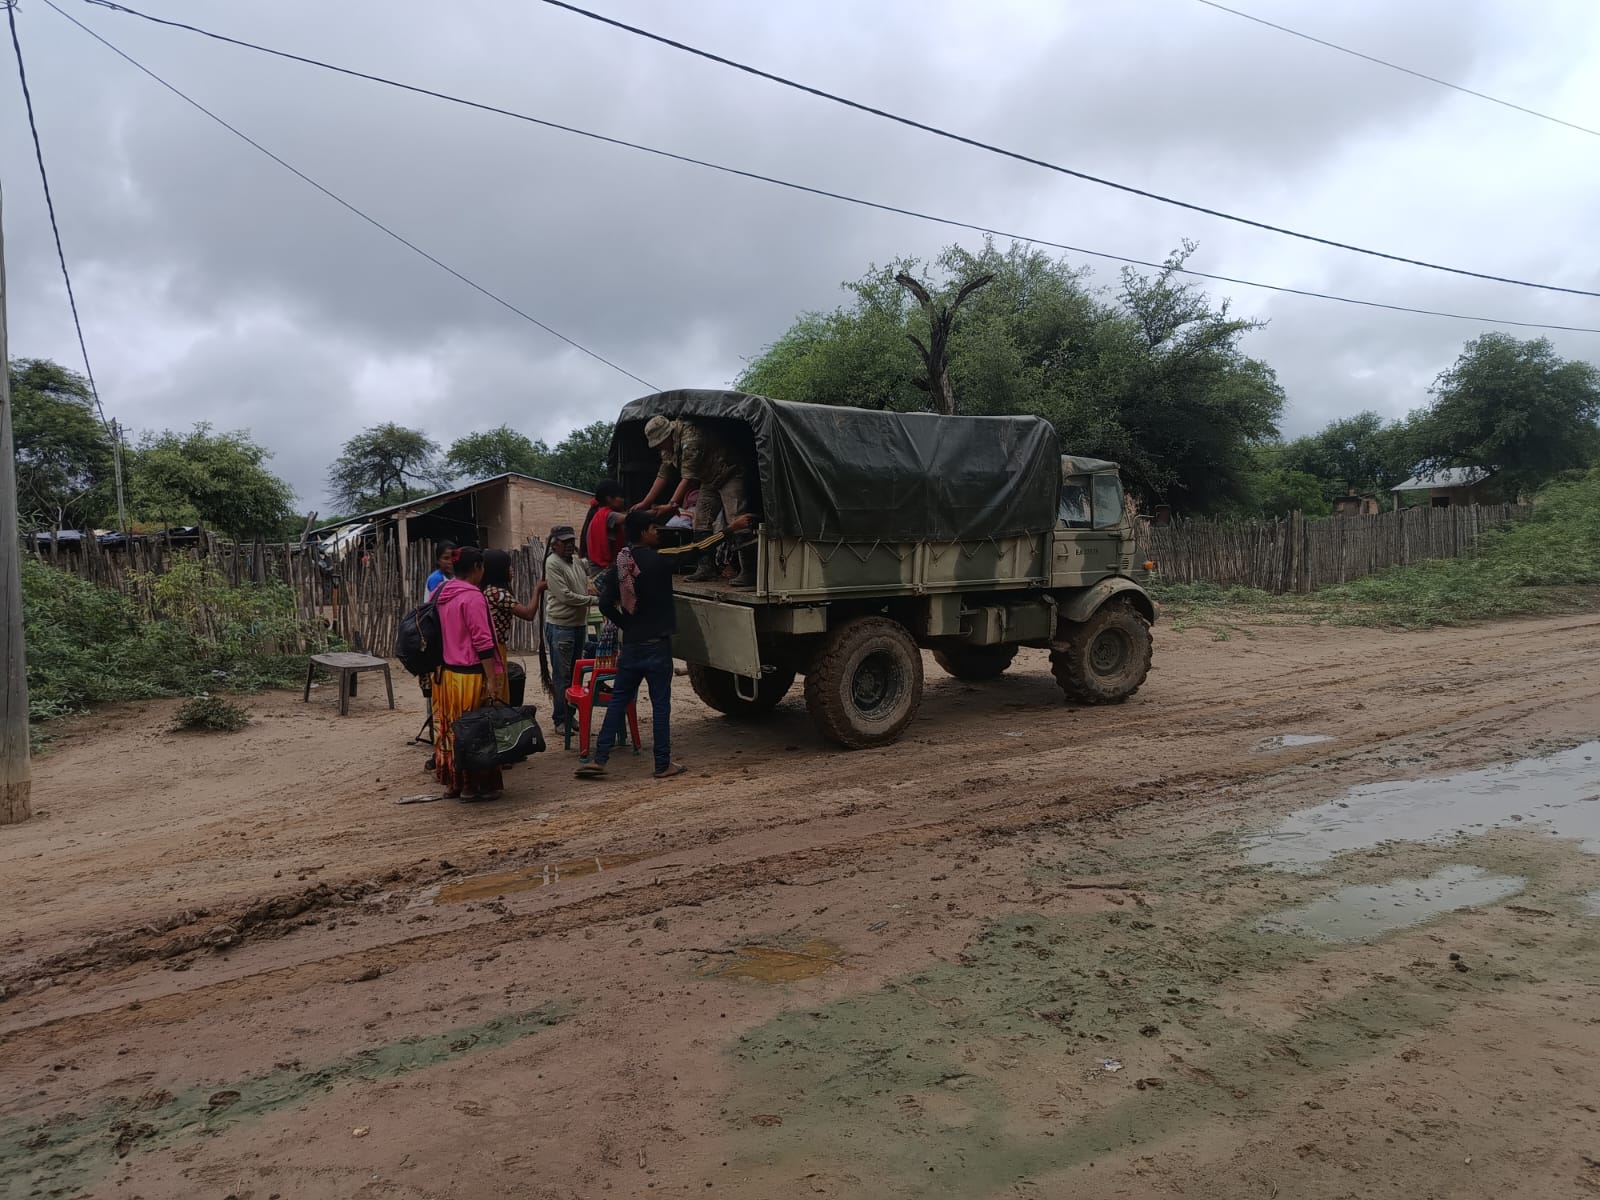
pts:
pixel 211 714
pixel 1540 565
pixel 1516 570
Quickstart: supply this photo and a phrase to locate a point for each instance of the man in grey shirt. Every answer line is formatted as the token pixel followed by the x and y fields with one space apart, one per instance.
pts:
pixel 566 613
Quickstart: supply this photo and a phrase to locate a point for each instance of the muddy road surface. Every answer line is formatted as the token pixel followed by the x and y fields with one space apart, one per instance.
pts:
pixel 1315 915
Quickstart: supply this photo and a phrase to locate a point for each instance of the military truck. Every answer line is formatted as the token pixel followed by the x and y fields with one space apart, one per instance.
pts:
pixel 884 534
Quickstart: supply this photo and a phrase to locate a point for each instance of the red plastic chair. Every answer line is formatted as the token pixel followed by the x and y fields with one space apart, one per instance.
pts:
pixel 586 694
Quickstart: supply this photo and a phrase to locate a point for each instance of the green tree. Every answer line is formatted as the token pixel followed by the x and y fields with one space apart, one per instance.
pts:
pixel 1151 376
pixel 218 480
pixel 1363 452
pixel 385 465
pixel 63 450
pixel 579 459
pixel 495 452
pixel 1280 491
pixel 1515 406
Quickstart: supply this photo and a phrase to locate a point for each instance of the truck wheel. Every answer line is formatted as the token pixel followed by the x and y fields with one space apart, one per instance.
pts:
pixel 865 684
pixel 1107 657
pixel 720 690
pixel 974 664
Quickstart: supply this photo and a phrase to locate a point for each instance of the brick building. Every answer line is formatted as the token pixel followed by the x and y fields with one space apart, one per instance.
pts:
pixel 499 513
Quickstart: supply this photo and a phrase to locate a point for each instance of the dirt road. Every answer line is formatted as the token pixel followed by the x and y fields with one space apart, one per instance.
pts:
pixel 1030 951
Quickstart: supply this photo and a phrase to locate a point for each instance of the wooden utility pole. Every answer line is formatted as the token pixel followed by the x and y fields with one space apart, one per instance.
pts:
pixel 16 775
pixel 940 319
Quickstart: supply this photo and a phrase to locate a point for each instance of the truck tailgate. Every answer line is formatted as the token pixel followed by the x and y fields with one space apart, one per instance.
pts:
pixel 717 634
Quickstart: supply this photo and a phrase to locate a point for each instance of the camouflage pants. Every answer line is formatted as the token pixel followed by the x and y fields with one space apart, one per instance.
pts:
pixel 727 497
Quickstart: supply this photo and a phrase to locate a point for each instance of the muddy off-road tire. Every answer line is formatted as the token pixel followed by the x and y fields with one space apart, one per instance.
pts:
pixel 1107 658
pixel 974 664
pixel 865 683
pixel 719 690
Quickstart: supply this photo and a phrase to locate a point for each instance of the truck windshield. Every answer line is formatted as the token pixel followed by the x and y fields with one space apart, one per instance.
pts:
pixel 1107 502
pixel 1075 502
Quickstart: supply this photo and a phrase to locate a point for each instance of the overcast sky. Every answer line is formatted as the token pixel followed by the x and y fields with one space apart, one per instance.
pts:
pixel 216 286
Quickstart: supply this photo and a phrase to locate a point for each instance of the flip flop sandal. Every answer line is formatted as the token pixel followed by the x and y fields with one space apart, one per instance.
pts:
pixel 590 771
pixel 671 771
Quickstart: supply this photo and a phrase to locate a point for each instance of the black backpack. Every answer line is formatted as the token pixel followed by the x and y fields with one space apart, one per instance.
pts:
pixel 419 644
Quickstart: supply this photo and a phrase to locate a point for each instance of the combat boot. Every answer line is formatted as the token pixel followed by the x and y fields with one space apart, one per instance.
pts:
pixel 705 571
pixel 746 578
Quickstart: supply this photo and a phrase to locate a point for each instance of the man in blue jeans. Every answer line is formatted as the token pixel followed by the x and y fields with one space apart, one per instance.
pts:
pixel 641 605
pixel 566 614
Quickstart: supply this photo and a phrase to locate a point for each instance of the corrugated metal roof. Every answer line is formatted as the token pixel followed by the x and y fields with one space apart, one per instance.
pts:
pixel 423 503
pixel 1444 477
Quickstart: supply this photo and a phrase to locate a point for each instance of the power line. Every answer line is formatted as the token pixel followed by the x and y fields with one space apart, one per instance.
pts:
pixel 66 275
pixel 1018 156
pixel 342 202
pixel 1383 62
pixel 818 191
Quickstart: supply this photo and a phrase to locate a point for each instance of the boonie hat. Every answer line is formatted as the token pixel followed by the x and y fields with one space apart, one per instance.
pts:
pixel 656 431
pixel 563 533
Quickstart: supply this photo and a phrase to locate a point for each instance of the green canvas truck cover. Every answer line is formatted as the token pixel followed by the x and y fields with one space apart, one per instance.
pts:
pixel 835 474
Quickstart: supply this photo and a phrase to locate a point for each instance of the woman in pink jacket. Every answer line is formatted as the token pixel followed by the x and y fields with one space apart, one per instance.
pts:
pixel 473 673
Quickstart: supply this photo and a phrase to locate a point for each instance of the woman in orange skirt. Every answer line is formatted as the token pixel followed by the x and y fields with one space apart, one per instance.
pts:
pixel 473 674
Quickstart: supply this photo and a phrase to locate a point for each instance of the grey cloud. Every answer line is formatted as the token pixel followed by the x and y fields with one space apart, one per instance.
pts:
pixel 217 287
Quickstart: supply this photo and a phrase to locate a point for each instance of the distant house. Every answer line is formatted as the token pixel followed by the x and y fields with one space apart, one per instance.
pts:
pixel 499 513
pixel 1445 488
pixel 1352 504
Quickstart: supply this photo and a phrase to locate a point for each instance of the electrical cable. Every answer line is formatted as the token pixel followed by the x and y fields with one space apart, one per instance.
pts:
pixel 1383 62
pixel 824 192
pixel 66 275
pixel 1018 156
pixel 342 202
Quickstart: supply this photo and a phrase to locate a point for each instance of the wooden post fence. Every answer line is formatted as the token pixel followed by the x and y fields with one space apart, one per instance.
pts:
pixel 1293 554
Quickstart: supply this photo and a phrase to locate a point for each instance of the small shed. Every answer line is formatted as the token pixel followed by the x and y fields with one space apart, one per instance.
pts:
pixel 1446 487
pixel 498 513
pixel 1354 504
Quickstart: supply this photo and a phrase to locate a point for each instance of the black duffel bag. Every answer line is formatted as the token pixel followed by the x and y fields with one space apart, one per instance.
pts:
pixel 496 735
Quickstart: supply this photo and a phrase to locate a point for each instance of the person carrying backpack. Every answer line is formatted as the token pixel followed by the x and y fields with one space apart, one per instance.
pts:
pixel 637 595
pixel 472 673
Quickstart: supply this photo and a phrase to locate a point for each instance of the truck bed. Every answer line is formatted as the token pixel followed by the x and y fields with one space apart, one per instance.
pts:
pixel 718 590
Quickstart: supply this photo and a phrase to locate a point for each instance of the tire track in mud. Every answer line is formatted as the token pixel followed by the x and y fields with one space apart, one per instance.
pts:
pixel 227 928
pixel 1020 795
pixel 1009 815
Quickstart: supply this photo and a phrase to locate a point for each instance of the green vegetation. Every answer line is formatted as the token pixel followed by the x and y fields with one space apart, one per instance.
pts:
pixel 1530 567
pixel 65 478
pixel 216 480
pixel 88 644
pixel 577 460
pixel 211 714
pixel 385 465
pixel 1153 374
pixel 1150 374
pixel 63 452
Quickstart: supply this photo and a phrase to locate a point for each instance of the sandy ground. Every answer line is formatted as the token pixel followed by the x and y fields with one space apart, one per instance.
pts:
pixel 1030 951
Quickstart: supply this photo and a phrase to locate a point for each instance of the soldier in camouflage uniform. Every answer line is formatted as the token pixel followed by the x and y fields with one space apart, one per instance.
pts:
pixel 691 452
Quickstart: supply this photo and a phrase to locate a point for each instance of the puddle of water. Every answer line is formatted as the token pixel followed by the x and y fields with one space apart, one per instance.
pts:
pixel 1287 741
pixel 1367 911
pixel 772 964
pixel 526 879
pixel 1558 795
